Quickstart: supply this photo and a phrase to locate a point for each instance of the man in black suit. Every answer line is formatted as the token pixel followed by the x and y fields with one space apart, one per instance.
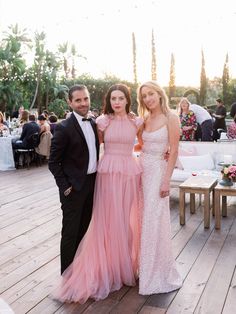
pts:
pixel 233 110
pixel 73 163
pixel 28 130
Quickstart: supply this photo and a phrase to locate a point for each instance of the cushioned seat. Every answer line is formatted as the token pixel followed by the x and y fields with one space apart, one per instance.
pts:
pixel 201 158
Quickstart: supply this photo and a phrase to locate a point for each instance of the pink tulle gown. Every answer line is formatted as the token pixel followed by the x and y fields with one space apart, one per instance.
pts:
pixel 107 257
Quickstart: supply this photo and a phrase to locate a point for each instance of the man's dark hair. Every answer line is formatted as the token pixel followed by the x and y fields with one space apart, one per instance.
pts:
pixel 75 88
pixel 32 117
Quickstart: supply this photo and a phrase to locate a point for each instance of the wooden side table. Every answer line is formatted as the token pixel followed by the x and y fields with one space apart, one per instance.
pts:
pixel 222 191
pixel 196 185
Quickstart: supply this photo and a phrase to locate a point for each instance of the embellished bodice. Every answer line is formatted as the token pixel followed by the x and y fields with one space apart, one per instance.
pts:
pixel 155 143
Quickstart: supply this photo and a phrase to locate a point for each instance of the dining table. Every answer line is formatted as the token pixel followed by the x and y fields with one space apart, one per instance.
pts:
pixel 6 154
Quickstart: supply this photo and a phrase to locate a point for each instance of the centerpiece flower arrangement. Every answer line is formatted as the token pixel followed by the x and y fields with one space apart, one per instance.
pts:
pixel 15 123
pixel 229 175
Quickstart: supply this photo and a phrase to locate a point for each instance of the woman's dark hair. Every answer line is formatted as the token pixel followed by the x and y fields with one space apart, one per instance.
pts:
pixel 53 118
pixel 125 90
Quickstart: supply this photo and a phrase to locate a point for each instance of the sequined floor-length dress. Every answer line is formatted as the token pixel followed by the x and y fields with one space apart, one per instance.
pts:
pixel 108 255
pixel 158 272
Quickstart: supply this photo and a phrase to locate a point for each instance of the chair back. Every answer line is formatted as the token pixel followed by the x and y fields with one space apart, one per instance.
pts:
pixel 34 140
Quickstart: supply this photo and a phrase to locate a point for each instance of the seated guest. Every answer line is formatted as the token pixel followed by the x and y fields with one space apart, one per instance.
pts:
pixel 3 124
pixel 231 131
pixel 52 122
pixel 28 130
pixel 24 117
pixel 43 148
pixel 17 114
pixel 43 124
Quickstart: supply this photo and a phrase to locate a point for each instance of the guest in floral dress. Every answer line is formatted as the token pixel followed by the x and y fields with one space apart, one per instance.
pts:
pixel 231 132
pixel 188 121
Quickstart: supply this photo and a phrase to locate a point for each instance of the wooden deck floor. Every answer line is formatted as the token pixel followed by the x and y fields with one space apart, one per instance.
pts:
pixel 30 224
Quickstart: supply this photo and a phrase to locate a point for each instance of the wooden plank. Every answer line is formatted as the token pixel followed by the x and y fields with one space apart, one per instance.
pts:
pixel 132 302
pixel 73 308
pixel 32 297
pixel 46 306
pixel 101 307
pixel 25 241
pixel 30 254
pixel 220 278
pixel 147 309
pixel 28 268
pixel 187 257
pixel 186 232
pixel 26 225
pixel 23 286
pixel 230 303
pixel 30 273
pixel 15 212
pixel 188 296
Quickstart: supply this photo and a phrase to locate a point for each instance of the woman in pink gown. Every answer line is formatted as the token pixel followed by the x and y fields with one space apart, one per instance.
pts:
pixel 107 257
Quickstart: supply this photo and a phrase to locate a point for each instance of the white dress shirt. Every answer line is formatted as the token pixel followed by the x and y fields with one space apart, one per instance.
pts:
pixel 200 113
pixel 91 142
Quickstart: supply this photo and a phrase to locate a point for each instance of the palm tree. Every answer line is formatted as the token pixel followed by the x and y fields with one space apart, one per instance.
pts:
pixel 63 50
pixel 12 66
pixel 38 62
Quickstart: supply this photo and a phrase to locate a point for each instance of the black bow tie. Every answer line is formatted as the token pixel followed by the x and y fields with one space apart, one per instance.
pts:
pixel 86 119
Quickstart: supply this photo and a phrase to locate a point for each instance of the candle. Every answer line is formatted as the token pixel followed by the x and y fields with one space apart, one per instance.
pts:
pixel 228 159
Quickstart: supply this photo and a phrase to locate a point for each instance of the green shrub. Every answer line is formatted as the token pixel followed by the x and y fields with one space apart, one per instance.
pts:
pixel 58 106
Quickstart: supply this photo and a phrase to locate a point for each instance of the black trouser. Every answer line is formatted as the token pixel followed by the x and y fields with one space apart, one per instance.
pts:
pixel 77 211
pixel 207 130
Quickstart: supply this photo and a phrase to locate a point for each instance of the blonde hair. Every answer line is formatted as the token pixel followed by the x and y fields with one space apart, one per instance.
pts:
pixel 164 103
pixel 24 116
pixel 183 99
pixel 1 117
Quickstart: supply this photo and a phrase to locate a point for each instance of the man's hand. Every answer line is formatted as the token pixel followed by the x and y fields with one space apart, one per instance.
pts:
pixel 165 189
pixel 137 147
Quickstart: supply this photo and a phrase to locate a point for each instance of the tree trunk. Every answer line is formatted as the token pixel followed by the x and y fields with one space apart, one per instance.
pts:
pixel 46 100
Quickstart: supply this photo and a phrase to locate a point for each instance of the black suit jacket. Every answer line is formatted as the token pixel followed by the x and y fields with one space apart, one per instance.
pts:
pixel 69 156
pixel 28 129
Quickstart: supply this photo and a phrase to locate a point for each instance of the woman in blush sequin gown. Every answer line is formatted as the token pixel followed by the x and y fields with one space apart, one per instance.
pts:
pixel 158 272
pixel 108 255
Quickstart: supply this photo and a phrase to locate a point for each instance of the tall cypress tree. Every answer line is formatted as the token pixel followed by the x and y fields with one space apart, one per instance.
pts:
pixel 203 83
pixel 154 64
pixel 134 59
pixel 225 80
pixel 172 86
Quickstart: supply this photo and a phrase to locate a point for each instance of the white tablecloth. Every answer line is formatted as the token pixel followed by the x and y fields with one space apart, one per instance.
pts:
pixel 6 154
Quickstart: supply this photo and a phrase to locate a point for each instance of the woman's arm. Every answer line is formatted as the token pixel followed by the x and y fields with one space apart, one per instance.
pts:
pixel 100 136
pixel 139 145
pixel 173 125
